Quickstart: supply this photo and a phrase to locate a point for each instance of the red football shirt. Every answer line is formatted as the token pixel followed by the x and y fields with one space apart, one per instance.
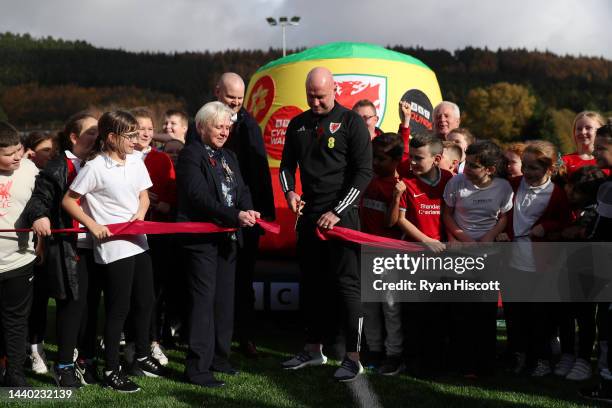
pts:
pixel 424 203
pixel 163 177
pixel 573 162
pixel 374 205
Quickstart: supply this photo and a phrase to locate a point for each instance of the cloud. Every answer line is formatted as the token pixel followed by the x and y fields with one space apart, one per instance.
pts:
pixel 562 26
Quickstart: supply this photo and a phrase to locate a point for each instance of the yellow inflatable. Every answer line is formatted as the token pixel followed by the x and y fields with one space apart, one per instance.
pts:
pixel 362 71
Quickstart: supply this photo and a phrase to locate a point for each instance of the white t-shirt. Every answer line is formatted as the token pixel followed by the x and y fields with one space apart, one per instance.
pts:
pixel 530 204
pixel 477 209
pixel 111 193
pixel 461 167
pixel 83 238
pixel 16 248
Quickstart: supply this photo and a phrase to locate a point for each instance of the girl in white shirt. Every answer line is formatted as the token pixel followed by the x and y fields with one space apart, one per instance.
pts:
pixel 476 207
pixel 114 183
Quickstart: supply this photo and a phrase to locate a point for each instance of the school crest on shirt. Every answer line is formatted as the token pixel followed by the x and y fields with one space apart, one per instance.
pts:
pixel 333 127
pixel 5 196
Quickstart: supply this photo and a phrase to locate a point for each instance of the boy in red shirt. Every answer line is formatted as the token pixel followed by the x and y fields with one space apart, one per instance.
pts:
pixel 380 201
pixel 422 222
pixel 425 182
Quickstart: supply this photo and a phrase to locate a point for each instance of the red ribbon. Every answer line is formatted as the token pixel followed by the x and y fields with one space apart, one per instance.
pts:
pixel 358 237
pixel 151 228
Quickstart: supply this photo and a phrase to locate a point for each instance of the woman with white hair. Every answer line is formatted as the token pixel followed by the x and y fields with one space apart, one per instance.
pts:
pixel 211 189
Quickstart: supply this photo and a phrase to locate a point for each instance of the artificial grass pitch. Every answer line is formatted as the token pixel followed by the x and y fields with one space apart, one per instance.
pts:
pixel 262 383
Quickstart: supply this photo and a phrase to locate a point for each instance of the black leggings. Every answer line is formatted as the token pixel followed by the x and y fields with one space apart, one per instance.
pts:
pixel 70 312
pixel 88 331
pixel 128 283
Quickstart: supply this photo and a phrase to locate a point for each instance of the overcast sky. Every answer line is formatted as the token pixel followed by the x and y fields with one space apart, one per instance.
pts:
pixel 562 26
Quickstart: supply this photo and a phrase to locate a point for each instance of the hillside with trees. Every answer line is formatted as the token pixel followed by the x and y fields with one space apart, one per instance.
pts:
pixel 509 94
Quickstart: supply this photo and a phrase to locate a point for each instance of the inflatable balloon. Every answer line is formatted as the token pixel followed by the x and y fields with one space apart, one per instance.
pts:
pixel 276 93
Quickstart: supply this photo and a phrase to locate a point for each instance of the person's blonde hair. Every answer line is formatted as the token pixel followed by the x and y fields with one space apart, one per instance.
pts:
pixel 588 114
pixel 545 153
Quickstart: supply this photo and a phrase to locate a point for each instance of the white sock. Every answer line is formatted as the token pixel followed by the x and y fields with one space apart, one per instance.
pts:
pixel 107 372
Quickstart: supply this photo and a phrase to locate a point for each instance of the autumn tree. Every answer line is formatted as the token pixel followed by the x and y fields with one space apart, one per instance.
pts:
pixel 35 105
pixel 499 111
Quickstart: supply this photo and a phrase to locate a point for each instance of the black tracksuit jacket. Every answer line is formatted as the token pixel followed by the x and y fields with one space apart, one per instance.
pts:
pixel 334 154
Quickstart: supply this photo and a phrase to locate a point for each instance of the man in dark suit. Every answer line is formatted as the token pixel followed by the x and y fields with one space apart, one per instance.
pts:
pixel 247 142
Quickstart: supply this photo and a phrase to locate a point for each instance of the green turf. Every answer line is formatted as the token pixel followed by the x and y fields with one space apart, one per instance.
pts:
pixel 262 383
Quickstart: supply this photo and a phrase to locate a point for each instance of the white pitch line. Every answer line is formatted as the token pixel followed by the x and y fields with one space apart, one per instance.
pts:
pixel 363 394
pixel 361 390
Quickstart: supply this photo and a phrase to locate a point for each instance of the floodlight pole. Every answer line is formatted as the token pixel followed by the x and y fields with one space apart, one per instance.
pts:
pixel 284 26
pixel 283 22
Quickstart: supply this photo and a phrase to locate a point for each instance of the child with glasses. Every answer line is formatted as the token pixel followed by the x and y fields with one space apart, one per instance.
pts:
pixel 114 184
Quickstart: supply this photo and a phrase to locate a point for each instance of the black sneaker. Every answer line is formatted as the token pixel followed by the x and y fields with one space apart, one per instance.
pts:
pixel 349 370
pixel 391 365
pixel 303 359
pixel 148 367
pixel 66 377
pixel 600 392
pixel 87 372
pixel 118 381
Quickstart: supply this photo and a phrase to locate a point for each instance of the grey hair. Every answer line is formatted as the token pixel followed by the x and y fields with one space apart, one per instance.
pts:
pixel 452 105
pixel 212 112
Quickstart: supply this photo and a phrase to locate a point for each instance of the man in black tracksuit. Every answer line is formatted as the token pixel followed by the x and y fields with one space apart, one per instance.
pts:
pixel 331 145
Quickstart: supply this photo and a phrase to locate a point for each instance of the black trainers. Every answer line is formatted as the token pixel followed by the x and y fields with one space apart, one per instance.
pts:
pixel 349 370
pixel 87 372
pixel 600 392
pixel 66 377
pixel 304 359
pixel 118 381
pixel 391 365
pixel 148 367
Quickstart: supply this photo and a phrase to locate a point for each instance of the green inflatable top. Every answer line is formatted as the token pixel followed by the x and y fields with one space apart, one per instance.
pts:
pixel 345 50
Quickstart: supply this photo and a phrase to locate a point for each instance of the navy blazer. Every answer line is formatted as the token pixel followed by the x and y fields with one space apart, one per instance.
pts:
pixel 199 194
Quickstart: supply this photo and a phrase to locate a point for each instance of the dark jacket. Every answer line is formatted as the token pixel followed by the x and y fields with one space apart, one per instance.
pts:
pixel 199 194
pixel 60 249
pixel 247 143
pixel 334 155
